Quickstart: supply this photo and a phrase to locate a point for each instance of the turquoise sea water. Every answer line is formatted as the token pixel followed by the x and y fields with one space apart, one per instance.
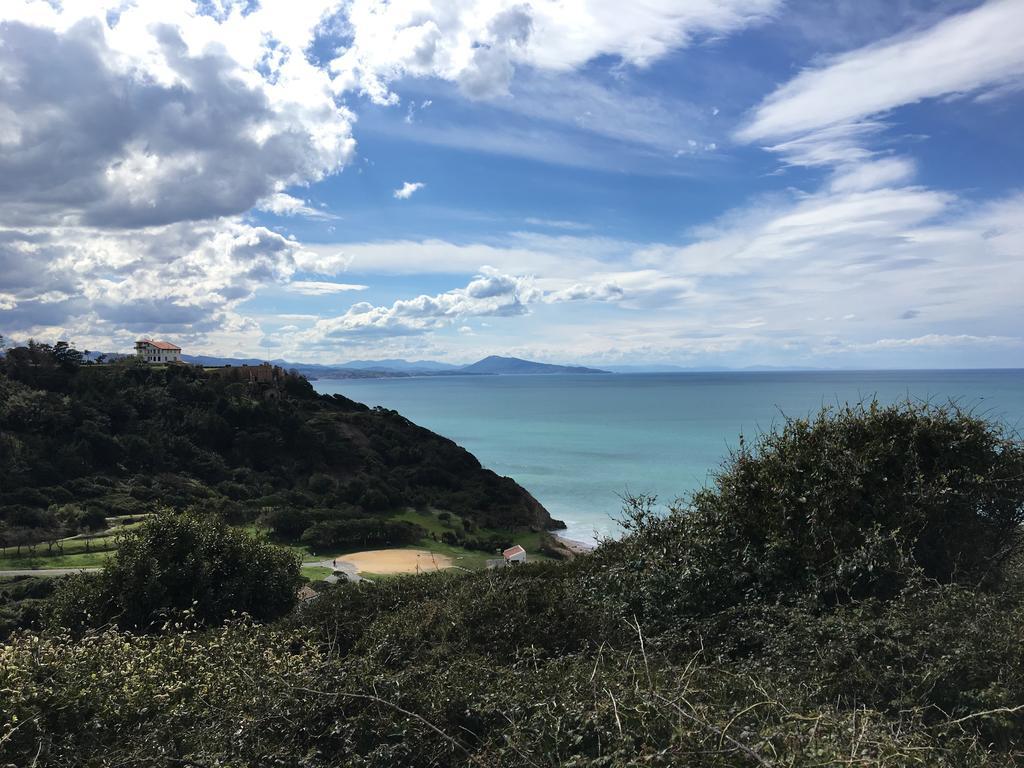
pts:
pixel 579 442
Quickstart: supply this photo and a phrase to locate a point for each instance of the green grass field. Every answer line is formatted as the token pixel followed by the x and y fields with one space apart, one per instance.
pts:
pixel 83 551
pixel 10 561
pixel 315 572
pixel 102 546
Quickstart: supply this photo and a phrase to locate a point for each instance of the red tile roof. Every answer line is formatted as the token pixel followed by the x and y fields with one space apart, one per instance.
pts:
pixel 513 551
pixel 159 344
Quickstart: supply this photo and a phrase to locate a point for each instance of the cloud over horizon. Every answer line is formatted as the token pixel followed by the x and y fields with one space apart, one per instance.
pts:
pixel 696 182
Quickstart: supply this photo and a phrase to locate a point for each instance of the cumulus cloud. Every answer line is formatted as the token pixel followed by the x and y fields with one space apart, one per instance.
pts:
pixel 489 294
pixel 480 44
pixel 118 282
pixel 607 291
pixel 407 190
pixel 145 114
pixel 133 135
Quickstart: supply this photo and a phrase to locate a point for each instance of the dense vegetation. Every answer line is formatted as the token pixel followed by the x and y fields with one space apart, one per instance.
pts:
pixel 847 593
pixel 80 443
pixel 180 567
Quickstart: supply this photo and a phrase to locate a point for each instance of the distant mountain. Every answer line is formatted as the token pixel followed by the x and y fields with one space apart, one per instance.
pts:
pixel 514 365
pixel 211 360
pixel 392 368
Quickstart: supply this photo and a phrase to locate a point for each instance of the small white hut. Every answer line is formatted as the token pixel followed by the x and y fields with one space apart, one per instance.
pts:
pixel 514 554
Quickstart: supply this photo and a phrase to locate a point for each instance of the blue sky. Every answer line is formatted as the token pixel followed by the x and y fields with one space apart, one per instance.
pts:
pixel 715 182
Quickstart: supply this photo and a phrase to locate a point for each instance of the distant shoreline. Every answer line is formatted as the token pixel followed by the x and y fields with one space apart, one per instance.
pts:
pixel 575 546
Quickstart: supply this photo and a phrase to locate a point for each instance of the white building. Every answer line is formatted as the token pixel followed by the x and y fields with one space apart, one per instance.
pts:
pixel 514 554
pixel 150 351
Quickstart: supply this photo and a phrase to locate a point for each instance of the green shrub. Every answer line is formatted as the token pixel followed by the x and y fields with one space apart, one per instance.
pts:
pixel 176 563
pixel 854 503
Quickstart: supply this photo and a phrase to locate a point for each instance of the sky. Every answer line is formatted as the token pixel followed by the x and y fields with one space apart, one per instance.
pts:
pixel 824 183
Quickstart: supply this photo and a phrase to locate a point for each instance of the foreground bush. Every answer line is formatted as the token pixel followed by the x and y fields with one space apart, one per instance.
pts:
pixel 879 625
pixel 261 695
pixel 175 564
pixel 857 502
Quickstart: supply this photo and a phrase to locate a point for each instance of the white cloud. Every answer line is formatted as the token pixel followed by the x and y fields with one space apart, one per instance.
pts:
pixel 408 189
pixel 134 135
pixel 519 252
pixel 940 340
pixel 776 277
pixel 962 54
pixel 319 288
pixel 557 224
pixel 183 278
pixel 869 175
pixel 480 43
pixel 149 113
pixel 489 294
pixel 282 204
pixel 606 291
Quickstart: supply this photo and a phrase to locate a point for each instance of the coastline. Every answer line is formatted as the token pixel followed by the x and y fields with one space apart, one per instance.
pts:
pixel 573 545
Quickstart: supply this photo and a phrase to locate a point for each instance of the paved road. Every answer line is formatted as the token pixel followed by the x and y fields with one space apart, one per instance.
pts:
pixel 46 571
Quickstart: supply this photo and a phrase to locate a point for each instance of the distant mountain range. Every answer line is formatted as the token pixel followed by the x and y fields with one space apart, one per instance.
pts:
pixel 391 368
pixel 489 366
pixel 514 365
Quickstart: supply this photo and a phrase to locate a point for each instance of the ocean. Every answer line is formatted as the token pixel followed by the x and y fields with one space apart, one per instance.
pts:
pixel 579 442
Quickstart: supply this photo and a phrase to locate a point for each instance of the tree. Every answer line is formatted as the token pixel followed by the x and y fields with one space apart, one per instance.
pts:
pixel 288 522
pixel 92 519
pixel 174 563
pixel 66 356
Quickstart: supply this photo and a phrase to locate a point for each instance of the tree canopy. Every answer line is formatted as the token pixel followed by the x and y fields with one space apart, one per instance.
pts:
pixel 126 438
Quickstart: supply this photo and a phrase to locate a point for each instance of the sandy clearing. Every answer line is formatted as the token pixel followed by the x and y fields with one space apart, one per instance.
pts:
pixel 397 560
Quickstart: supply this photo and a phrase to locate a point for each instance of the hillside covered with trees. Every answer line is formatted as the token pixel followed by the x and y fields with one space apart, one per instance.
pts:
pixel 848 592
pixel 82 442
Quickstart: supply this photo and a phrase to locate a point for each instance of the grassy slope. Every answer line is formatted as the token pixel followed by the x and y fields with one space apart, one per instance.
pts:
pixel 101 547
pixel 81 551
